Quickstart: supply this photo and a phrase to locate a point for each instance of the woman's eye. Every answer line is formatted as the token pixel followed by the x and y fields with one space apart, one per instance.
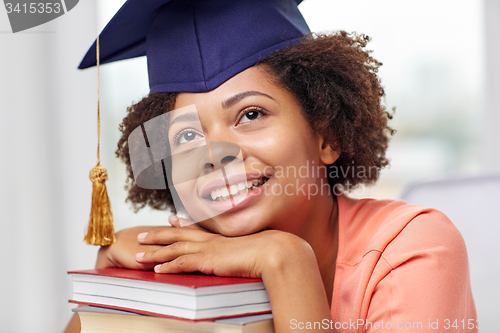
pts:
pixel 250 116
pixel 187 136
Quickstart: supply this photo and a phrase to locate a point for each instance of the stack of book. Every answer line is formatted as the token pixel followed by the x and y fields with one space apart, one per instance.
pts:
pixel 169 302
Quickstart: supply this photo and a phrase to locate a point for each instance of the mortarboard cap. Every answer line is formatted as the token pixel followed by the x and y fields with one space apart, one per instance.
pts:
pixel 196 45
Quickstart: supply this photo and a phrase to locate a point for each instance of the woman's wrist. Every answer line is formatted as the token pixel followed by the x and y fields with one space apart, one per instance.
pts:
pixel 103 260
pixel 294 284
pixel 284 253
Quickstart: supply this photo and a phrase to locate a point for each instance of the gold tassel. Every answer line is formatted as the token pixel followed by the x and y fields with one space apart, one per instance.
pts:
pixel 100 230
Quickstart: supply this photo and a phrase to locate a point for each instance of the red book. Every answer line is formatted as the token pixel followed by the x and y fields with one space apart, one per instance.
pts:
pixel 191 297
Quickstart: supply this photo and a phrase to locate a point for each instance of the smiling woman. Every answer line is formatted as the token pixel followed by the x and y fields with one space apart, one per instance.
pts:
pixel 311 107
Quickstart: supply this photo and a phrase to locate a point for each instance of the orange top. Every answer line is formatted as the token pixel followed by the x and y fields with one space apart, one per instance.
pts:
pixel 400 266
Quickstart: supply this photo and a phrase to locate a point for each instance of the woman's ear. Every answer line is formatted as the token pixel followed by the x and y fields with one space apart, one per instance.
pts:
pixel 326 153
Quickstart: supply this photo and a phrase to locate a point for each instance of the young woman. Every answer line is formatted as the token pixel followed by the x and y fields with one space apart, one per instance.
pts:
pixel 329 263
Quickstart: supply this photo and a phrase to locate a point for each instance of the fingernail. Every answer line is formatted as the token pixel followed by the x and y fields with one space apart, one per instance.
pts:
pixel 139 256
pixel 157 268
pixel 173 218
pixel 142 236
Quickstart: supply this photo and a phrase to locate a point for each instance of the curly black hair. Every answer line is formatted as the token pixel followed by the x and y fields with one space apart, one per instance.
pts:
pixel 335 80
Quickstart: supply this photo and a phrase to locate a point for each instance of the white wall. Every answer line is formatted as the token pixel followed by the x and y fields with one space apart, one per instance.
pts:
pixel 47 145
pixel 491 119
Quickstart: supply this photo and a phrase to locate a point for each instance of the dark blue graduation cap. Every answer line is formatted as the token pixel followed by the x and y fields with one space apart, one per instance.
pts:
pixel 196 45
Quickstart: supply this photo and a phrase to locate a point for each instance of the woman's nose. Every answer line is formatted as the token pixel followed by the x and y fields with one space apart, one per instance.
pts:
pixel 218 155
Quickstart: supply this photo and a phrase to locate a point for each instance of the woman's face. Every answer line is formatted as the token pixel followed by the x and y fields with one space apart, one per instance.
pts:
pixel 253 153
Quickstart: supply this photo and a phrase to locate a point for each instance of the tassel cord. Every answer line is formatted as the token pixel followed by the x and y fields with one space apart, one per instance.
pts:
pixel 100 229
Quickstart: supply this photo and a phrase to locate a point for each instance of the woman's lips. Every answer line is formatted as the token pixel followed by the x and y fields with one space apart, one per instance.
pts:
pixel 224 193
pixel 238 201
pixel 227 181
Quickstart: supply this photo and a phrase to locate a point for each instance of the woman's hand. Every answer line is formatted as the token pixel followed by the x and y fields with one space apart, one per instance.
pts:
pixel 285 262
pixel 192 248
pixel 122 253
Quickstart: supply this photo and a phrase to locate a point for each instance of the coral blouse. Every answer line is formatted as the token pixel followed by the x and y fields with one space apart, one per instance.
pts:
pixel 400 267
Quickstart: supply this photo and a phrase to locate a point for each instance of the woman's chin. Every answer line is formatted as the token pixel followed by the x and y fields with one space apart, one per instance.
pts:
pixel 233 226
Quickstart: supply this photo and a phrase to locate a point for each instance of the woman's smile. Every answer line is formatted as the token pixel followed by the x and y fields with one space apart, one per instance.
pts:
pixel 237 196
pixel 232 186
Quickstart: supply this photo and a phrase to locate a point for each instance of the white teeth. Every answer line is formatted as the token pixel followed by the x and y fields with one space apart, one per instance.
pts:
pixel 241 186
pixel 223 193
pixel 233 189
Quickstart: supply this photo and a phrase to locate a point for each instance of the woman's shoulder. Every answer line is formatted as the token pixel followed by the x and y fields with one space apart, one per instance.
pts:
pixel 399 262
pixel 382 225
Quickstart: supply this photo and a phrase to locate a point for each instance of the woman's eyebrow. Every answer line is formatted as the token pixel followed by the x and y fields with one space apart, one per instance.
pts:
pixel 189 116
pixel 238 97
